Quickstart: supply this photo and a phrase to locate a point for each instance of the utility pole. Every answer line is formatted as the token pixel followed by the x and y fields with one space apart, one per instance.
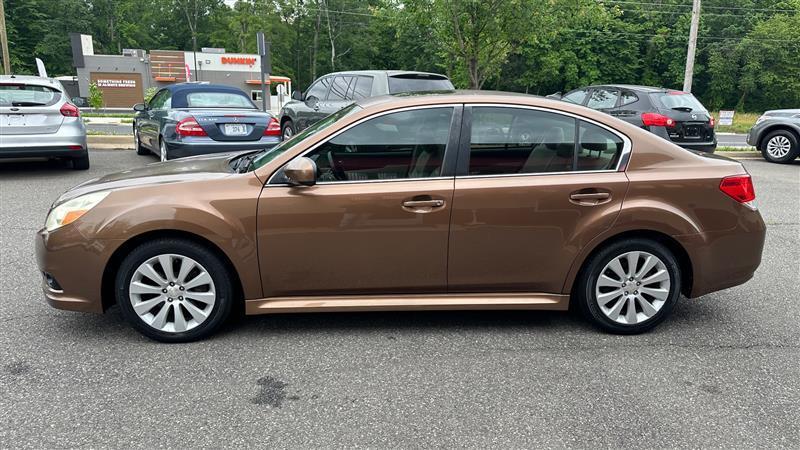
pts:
pixel 4 40
pixel 687 75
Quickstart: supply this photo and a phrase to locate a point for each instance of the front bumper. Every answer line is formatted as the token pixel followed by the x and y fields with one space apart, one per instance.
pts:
pixel 76 264
pixel 203 146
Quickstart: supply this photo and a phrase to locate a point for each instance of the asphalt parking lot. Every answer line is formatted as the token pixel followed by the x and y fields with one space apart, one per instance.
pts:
pixel 724 371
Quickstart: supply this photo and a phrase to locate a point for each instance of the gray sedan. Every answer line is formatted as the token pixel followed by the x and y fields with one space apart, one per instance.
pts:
pixel 777 135
pixel 38 120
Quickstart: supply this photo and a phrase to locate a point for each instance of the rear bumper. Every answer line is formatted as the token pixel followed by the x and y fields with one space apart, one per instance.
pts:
pixel 706 146
pixel 43 152
pixel 204 146
pixel 728 258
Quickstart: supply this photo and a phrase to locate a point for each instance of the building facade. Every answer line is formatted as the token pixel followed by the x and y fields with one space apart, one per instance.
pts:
pixel 125 78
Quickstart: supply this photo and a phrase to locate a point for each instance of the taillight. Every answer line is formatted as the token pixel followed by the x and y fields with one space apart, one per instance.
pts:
pixel 739 188
pixel 657 120
pixel 190 127
pixel 70 110
pixel 273 128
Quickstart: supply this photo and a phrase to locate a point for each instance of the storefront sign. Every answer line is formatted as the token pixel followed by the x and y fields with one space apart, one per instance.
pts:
pixel 241 60
pixel 110 83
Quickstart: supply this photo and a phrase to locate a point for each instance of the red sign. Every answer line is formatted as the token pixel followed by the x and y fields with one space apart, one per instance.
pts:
pixel 244 60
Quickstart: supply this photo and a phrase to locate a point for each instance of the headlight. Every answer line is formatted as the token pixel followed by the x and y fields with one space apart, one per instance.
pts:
pixel 72 210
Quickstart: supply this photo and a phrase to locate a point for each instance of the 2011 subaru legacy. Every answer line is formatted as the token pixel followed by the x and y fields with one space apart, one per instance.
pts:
pixel 187 119
pixel 427 202
pixel 676 116
pixel 38 120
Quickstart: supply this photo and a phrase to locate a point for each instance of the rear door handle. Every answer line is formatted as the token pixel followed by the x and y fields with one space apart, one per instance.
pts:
pixel 591 196
pixel 423 203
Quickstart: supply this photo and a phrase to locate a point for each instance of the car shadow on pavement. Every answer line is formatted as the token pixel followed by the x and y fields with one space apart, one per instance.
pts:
pixel 28 167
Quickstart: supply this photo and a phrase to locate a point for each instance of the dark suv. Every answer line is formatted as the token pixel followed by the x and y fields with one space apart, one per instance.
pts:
pixel 674 115
pixel 332 92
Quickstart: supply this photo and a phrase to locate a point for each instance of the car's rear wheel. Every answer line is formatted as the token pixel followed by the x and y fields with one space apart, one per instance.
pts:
pixel 780 146
pixel 629 286
pixel 81 163
pixel 163 152
pixel 287 130
pixel 137 143
pixel 174 290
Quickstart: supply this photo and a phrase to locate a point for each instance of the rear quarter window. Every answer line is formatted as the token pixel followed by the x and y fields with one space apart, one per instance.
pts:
pixel 418 83
pixel 28 95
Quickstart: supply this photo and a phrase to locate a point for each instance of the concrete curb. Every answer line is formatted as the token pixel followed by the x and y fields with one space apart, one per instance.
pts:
pixel 110 142
pixel 739 154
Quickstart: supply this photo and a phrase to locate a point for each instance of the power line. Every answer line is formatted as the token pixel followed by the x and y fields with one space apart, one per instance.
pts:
pixel 662 5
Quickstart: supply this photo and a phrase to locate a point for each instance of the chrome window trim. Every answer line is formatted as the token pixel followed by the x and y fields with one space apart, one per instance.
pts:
pixel 358 122
pixel 626 142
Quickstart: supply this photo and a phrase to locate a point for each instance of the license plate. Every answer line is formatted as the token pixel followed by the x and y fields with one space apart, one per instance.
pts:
pixel 235 129
pixel 16 120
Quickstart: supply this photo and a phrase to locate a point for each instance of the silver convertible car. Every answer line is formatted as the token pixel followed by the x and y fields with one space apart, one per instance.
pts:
pixel 38 120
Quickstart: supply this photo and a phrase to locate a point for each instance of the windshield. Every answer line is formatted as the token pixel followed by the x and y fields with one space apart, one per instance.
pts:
pixel 27 95
pixel 279 149
pixel 679 100
pixel 207 99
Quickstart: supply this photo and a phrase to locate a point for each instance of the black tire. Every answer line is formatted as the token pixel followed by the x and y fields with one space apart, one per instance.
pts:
pixel 199 253
pixel 140 149
pixel 585 287
pixel 81 163
pixel 287 126
pixel 785 135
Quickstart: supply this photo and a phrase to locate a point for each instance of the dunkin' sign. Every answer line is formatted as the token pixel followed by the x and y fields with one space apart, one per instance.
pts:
pixel 239 60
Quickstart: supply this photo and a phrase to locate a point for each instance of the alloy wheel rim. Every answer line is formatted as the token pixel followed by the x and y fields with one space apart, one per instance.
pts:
pixel 172 293
pixel 779 146
pixel 287 133
pixel 163 148
pixel 136 139
pixel 632 287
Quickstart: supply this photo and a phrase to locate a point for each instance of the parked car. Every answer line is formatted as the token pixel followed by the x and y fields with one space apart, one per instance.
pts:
pixel 776 135
pixel 674 115
pixel 332 92
pixel 187 119
pixel 515 202
pixel 38 120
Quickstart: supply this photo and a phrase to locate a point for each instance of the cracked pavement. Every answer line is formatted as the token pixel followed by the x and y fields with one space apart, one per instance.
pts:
pixel 723 371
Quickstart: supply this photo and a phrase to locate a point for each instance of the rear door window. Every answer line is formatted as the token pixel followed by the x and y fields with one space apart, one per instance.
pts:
pixel 598 149
pixel 418 83
pixel 602 98
pixel 516 140
pixel 399 145
pixel 362 88
pixel 22 95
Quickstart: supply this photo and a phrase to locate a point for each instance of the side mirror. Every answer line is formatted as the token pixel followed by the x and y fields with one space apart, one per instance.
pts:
pixel 301 172
pixel 297 95
pixel 139 107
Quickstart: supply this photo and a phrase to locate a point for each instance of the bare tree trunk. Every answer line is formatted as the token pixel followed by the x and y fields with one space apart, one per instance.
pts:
pixel 331 37
pixel 315 47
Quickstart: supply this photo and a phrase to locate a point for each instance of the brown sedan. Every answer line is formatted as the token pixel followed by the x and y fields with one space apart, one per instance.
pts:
pixel 449 201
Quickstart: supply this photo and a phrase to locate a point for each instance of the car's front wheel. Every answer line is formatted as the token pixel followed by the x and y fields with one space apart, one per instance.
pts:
pixel 163 152
pixel 780 146
pixel 629 286
pixel 287 130
pixel 174 290
pixel 137 142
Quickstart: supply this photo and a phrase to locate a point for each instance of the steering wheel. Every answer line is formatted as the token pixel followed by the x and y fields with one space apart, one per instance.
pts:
pixel 337 171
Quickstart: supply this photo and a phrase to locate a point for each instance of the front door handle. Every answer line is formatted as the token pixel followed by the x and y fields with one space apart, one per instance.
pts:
pixel 589 198
pixel 423 203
